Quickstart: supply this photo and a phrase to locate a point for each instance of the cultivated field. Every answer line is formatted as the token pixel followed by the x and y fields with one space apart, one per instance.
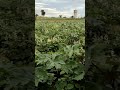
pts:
pixel 59 53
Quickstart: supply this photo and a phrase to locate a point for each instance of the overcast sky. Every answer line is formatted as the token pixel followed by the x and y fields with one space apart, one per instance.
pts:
pixel 54 8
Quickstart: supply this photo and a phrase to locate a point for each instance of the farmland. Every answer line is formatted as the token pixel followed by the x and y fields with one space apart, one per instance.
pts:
pixel 59 53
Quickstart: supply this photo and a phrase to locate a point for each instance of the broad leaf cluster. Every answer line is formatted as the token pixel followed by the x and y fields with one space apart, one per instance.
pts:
pixel 60 54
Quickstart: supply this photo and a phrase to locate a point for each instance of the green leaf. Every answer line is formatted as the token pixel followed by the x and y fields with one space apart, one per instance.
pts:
pixel 70 86
pixel 70 53
pixel 79 77
pixel 58 66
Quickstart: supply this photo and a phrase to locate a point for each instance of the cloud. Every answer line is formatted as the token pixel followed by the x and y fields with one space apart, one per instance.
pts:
pixel 40 4
pixel 54 8
pixel 54 1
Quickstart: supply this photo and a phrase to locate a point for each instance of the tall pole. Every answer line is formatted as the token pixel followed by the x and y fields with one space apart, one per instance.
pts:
pixel 74 9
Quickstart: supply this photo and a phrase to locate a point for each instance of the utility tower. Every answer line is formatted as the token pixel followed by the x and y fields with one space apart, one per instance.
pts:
pixel 75 13
pixel 74 9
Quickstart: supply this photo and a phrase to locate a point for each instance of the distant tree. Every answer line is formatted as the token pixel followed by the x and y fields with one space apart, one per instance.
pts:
pixel 64 17
pixel 72 16
pixel 42 12
pixel 60 16
pixel 52 17
pixel 36 15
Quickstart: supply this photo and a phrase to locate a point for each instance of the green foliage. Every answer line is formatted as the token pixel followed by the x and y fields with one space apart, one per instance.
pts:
pixel 16 40
pixel 16 77
pixel 60 54
pixel 102 45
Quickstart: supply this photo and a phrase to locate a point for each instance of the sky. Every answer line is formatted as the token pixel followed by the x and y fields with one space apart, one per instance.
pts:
pixel 54 8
